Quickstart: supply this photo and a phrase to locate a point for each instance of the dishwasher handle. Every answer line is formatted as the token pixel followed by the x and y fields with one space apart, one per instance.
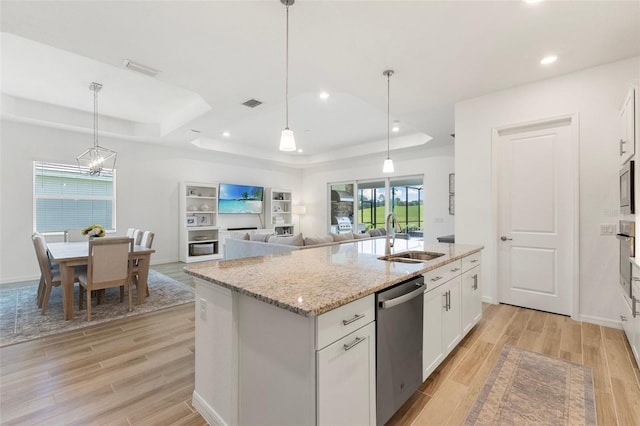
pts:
pixel 404 298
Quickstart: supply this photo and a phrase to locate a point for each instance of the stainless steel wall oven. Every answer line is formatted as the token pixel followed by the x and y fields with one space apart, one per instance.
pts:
pixel 627 198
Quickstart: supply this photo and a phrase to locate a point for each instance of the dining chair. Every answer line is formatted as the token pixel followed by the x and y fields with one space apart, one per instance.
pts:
pixel 147 242
pixel 147 239
pixel 49 274
pixel 130 232
pixel 137 237
pixel 74 235
pixel 109 265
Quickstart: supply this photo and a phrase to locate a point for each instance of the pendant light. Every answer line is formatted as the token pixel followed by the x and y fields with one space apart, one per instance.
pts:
pixel 387 167
pixel 96 158
pixel 287 141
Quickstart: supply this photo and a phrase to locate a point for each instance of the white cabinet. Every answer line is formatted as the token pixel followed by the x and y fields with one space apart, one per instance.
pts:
pixel 441 327
pixel 199 231
pixel 257 363
pixel 279 212
pixel 346 372
pixel 452 315
pixel 632 325
pixel 432 349
pixel 471 298
pixel 630 121
pixel 452 306
pixel 346 364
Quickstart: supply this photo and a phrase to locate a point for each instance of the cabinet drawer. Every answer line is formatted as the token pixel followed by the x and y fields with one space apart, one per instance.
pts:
pixel 471 261
pixel 441 275
pixel 336 324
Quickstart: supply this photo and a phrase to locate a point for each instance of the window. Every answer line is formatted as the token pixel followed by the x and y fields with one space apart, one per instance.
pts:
pixel 66 197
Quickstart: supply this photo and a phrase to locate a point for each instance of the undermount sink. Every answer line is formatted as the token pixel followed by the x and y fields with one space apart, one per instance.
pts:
pixel 411 256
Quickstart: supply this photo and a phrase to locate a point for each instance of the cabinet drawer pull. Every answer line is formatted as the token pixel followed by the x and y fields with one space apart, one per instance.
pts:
pixel 354 319
pixel 434 279
pixel 475 261
pixel 354 343
pixel 455 269
pixel 475 282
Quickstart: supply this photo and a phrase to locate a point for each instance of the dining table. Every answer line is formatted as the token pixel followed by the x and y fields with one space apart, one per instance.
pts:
pixel 71 254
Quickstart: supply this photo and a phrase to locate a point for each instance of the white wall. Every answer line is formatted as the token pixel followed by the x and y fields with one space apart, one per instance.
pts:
pixel 148 179
pixel 595 94
pixel 434 163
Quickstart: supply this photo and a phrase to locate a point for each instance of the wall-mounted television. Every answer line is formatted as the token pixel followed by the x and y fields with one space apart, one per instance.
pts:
pixel 240 199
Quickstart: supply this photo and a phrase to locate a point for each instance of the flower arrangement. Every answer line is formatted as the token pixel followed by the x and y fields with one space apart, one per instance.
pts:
pixel 94 231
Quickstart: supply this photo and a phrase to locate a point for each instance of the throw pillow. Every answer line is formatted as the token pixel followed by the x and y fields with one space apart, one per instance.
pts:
pixel 295 240
pixel 341 237
pixel 259 237
pixel 238 235
pixel 361 236
pixel 310 241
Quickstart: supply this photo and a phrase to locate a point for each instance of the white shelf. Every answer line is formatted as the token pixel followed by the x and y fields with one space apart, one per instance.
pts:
pixel 190 206
pixel 279 206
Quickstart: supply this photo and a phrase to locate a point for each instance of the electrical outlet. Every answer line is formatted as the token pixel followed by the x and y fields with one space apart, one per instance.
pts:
pixel 203 309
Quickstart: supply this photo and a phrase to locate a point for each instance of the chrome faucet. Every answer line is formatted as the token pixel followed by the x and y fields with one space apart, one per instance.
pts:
pixel 389 244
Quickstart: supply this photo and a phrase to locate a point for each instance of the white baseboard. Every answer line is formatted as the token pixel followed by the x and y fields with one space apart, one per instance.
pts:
pixel 206 410
pixel 605 322
pixel 19 279
pixel 486 299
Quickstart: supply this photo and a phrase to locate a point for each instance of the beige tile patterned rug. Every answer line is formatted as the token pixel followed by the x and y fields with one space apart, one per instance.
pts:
pixel 528 388
pixel 20 318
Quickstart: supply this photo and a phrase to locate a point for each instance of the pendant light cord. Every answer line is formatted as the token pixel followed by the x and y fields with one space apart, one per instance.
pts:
pixel 388 110
pixel 286 82
pixel 95 117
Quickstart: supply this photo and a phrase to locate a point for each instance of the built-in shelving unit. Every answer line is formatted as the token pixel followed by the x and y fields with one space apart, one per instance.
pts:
pixel 199 231
pixel 279 212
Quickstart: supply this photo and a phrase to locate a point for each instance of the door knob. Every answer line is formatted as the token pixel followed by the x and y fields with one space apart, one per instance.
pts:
pixel 503 238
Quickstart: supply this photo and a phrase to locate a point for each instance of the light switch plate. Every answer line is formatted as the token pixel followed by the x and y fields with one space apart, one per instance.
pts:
pixel 608 229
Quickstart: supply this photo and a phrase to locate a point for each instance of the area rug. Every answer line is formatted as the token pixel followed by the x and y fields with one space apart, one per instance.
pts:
pixel 527 388
pixel 20 318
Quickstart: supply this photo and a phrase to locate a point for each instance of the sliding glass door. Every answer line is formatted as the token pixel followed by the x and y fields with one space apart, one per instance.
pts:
pixel 372 203
pixel 375 198
pixel 407 204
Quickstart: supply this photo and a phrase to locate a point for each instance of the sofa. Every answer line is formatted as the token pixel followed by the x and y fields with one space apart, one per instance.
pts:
pixel 238 245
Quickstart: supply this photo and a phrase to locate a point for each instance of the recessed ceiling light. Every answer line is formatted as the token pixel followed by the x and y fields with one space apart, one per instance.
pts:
pixel 226 134
pixel 324 95
pixel 532 1
pixel 396 126
pixel 548 59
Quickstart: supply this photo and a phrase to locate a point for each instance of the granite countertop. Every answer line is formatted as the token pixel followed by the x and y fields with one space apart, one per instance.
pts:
pixel 314 281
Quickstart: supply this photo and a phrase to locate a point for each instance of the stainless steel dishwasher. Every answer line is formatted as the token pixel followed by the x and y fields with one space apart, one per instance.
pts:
pixel 398 346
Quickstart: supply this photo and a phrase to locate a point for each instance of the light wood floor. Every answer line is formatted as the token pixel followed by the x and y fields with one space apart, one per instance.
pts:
pixel 140 370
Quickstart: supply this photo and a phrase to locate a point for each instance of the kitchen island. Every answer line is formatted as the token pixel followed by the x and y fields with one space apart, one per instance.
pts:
pixel 272 332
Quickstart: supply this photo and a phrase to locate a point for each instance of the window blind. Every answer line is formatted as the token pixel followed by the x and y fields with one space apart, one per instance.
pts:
pixel 66 197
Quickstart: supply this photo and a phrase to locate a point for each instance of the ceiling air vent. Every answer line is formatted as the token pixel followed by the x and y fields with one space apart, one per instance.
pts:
pixel 252 103
pixel 134 66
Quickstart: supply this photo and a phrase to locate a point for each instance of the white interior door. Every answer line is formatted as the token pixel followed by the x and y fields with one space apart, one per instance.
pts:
pixel 536 188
